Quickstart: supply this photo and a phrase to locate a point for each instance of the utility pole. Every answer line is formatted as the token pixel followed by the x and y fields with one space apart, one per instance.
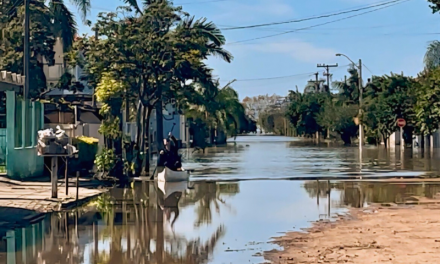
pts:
pixel 316 82
pixel 327 67
pixel 361 131
pixel 26 50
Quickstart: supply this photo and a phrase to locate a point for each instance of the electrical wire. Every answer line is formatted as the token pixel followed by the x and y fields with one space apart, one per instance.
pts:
pixel 306 74
pixel 201 2
pixel 314 17
pixel 273 78
pixel 367 69
pixel 99 8
pixel 321 24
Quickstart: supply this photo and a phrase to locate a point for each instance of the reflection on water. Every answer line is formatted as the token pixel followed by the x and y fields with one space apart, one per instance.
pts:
pixel 360 194
pixel 214 219
pixel 270 157
pixel 200 223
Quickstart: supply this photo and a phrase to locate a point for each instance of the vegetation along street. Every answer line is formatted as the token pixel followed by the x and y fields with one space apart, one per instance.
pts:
pixel 219 131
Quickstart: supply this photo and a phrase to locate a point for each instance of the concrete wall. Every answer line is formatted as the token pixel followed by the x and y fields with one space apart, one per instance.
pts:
pixel 22 159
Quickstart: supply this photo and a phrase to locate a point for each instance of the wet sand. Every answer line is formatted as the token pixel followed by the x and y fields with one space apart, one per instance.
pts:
pixel 377 234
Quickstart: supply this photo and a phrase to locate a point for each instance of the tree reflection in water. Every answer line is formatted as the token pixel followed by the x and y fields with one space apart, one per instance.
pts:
pixel 357 194
pixel 124 226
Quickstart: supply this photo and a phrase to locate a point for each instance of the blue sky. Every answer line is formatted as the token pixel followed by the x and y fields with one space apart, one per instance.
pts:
pixel 389 40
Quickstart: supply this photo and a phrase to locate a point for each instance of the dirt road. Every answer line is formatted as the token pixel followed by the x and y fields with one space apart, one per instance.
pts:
pixel 397 234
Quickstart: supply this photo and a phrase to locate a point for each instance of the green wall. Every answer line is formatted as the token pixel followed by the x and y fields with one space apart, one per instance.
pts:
pixel 24 119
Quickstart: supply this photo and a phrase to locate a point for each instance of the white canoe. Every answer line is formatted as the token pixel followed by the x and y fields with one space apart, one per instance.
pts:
pixel 167 175
pixel 169 188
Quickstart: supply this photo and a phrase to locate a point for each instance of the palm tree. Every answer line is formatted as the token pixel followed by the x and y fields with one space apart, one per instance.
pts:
pixel 432 55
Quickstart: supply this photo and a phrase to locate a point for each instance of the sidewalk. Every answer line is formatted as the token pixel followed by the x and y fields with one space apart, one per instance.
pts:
pixel 25 202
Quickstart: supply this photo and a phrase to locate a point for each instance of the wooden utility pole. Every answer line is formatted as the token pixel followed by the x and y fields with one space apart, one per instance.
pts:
pixel 316 82
pixel 327 67
pixel 26 51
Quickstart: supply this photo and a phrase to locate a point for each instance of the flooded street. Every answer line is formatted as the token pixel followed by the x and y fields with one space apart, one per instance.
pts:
pixel 272 157
pixel 230 210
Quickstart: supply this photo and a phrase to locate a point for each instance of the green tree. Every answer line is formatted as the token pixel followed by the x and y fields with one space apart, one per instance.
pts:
pixel 155 54
pixel 435 5
pixel 432 55
pixel 303 110
pixel 214 108
pixel 387 98
pixel 427 108
pixel 43 40
pixel 337 116
pixel 348 90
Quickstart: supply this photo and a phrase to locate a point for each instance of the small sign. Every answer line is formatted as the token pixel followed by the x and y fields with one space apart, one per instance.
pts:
pixel 401 122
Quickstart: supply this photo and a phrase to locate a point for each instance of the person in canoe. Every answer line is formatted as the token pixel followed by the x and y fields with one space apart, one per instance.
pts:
pixel 169 156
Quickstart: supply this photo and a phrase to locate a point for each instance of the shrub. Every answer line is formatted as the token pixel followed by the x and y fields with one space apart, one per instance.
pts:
pixel 87 150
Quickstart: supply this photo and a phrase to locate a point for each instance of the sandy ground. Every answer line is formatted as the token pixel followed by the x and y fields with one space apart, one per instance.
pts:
pixel 397 234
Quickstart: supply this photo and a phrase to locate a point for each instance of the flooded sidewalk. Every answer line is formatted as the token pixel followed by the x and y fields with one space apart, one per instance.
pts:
pixel 24 202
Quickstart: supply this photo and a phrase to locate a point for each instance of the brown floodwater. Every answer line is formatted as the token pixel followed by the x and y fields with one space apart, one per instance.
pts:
pixel 219 217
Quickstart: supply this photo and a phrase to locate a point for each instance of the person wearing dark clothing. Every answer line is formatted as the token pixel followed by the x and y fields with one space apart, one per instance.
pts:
pixel 170 157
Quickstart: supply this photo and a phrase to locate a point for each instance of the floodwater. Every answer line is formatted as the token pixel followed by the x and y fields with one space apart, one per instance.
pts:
pixel 229 211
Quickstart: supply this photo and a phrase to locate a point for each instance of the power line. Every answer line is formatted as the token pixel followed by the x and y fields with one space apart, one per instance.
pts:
pixel 272 78
pixel 322 24
pixel 201 2
pixel 314 17
pixel 367 69
pixel 186 3
pixel 306 74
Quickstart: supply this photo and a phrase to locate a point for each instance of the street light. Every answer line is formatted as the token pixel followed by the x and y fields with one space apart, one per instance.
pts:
pixel 361 131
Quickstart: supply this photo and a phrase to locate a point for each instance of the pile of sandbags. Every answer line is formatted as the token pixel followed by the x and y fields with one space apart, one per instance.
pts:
pixel 58 143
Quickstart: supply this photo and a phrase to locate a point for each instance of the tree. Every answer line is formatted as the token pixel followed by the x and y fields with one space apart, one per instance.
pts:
pixel 338 117
pixel 43 40
pixel 213 109
pixel 303 110
pixel 427 108
pixel 348 90
pixel 432 55
pixel 435 5
pixel 155 54
pixel 387 98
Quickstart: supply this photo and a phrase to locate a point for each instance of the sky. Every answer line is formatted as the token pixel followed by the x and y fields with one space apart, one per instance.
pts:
pixel 392 39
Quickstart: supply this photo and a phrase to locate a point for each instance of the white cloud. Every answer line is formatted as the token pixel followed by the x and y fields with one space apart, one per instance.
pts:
pixel 237 12
pixel 298 50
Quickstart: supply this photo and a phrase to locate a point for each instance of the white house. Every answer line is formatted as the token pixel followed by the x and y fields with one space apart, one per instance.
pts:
pixel 170 118
pixel 85 115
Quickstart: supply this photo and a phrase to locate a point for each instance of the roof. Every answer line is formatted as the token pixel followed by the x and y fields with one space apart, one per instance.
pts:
pixel 11 81
pixel 64 92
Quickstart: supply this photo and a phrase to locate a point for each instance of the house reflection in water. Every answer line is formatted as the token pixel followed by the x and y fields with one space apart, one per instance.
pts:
pixel 132 225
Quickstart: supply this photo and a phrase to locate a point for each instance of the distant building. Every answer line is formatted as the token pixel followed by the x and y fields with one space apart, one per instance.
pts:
pixel 84 114
pixel 170 117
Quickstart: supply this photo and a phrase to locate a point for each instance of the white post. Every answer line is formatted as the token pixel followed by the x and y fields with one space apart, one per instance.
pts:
pixel 402 143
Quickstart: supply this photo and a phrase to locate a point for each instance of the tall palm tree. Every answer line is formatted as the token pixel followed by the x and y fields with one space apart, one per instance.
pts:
pixel 63 22
pixel 432 55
